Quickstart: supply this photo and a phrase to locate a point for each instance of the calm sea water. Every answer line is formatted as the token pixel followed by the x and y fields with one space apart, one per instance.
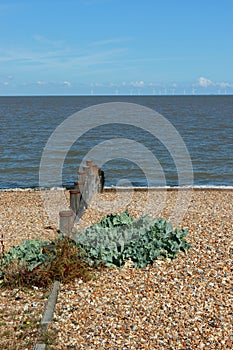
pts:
pixel 204 122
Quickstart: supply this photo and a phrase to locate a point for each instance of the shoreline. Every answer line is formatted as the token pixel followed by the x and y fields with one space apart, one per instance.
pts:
pixel 121 188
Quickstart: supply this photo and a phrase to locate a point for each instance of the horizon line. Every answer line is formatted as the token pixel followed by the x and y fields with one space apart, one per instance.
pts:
pixel 114 95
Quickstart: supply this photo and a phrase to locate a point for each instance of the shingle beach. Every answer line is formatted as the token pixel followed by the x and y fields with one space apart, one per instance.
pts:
pixel 185 303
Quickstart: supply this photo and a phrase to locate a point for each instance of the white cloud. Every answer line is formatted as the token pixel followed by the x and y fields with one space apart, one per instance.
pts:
pixel 137 83
pixel 204 82
pixel 24 57
pixel 67 83
pixel 224 85
pixel 41 82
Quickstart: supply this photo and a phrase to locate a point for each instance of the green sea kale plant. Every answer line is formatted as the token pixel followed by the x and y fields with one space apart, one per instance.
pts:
pixel 29 253
pixel 118 238
pixel 37 262
pixel 111 242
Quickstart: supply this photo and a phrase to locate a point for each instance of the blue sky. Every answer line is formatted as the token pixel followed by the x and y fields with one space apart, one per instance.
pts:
pixel 75 47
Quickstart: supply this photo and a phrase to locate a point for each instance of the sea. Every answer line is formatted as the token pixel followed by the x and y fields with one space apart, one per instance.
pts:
pixel 201 128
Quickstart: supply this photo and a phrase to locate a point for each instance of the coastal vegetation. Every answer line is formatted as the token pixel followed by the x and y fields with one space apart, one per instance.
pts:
pixel 116 239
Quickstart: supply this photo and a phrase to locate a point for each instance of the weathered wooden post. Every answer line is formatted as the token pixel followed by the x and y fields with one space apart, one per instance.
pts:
pixel 74 200
pixel 95 170
pixel 78 185
pixel 101 181
pixel 86 188
pixel 90 181
pixel 92 178
pixel 66 221
pixel 82 176
pixel 89 163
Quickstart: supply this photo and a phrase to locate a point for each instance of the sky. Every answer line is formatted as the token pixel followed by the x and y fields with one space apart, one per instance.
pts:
pixel 116 47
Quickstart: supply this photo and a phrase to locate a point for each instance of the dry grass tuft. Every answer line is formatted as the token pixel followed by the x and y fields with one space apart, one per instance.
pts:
pixel 65 263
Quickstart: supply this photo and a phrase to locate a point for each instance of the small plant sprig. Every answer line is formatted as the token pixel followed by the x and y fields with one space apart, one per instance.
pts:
pixel 2 244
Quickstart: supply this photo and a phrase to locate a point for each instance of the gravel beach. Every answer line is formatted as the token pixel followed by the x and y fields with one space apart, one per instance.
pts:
pixel 22 216
pixel 185 303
